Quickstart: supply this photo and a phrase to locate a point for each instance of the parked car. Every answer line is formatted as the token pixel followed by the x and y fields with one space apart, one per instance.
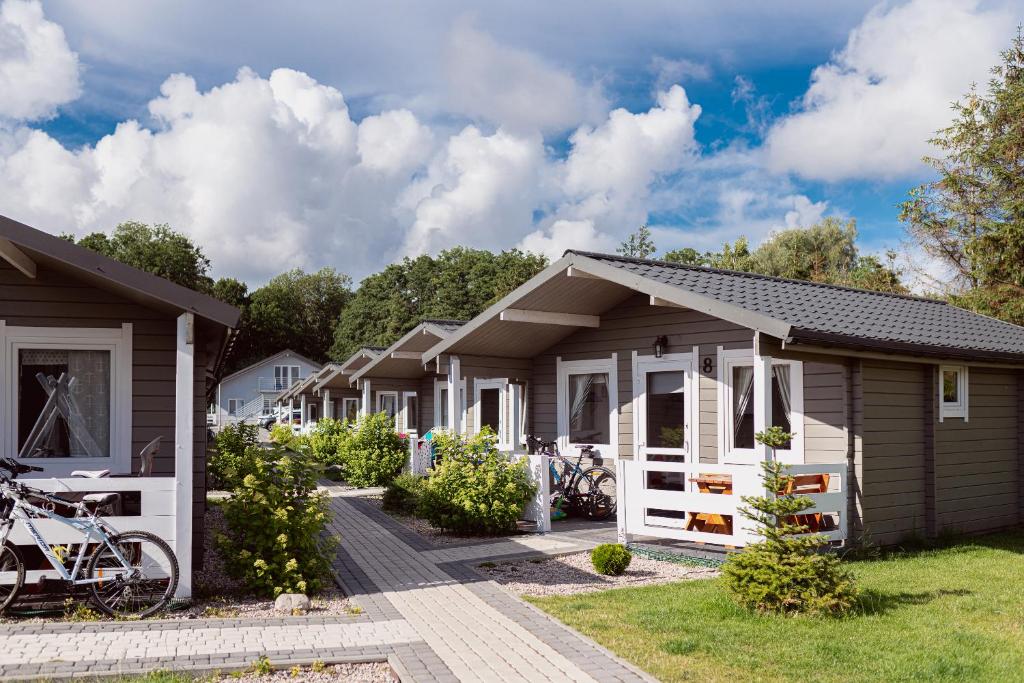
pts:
pixel 266 421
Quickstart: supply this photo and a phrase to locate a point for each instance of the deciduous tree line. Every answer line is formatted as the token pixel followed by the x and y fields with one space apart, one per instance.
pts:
pixel 969 220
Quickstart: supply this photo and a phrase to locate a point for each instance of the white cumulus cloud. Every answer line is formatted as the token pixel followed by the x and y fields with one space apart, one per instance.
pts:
pixel 870 110
pixel 514 88
pixel 38 71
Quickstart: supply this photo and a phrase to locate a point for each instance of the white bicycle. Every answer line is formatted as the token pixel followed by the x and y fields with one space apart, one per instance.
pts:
pixel 129 574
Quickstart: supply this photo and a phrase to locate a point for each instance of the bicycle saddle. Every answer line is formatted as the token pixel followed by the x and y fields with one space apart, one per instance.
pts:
pixel 91 474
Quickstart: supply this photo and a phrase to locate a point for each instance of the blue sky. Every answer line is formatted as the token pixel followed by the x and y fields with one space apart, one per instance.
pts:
pixel 352 134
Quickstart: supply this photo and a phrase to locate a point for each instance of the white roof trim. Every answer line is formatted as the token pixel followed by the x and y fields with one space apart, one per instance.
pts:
pixel 424 327
pixel 668 293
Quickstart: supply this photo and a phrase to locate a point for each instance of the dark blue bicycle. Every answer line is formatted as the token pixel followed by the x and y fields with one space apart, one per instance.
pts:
pixel 589 491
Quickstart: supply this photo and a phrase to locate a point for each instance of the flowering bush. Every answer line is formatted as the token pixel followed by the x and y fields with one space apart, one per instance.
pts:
pixel 276 518
pixel 373 454
pixel 473 488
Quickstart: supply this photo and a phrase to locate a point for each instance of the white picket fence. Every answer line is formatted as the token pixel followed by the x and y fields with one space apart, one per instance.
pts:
pixel 645 510
pixel 156 515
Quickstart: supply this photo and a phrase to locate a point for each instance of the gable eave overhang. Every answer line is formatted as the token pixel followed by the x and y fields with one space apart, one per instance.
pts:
pixel 385 355
pixel 669 293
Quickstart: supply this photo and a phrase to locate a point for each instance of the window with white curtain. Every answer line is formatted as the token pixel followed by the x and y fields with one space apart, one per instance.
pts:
pixel 587 406
pixel 69 396
pixel 737 403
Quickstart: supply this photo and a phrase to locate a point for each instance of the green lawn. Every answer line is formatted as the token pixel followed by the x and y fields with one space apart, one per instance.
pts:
pixel 952 614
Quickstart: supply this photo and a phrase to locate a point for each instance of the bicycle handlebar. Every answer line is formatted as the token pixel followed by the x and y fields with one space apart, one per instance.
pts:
pixel 16 468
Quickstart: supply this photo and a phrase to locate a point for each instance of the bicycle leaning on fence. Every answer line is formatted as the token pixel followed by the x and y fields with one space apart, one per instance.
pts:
pixel 129 574
pixel 590 491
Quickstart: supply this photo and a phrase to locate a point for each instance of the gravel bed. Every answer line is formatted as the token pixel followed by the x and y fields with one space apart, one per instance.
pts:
pixel 573 574
pixel 428 530
pixel 370 672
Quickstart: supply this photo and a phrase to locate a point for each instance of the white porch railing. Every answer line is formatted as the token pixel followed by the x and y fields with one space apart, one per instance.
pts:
pixel 156 512
pixel 648 507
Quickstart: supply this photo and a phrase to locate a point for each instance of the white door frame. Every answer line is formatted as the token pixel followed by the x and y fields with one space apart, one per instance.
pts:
pixel 669 362
pixel 403 411
pixel 501 385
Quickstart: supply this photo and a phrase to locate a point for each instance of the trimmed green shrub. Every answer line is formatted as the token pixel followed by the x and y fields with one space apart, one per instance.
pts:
pixel 403 493
pixel 233 454
pixel 475 489
pixel 276 519
pixel 611 559
pixel 328 440
pixel 373 454
pixel 786 572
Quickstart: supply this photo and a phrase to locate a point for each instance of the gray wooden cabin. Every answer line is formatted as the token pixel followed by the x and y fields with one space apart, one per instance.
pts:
pixel 143 353
pixel 908 410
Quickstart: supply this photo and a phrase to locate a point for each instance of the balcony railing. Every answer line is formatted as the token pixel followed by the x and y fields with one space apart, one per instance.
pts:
pixel 275 384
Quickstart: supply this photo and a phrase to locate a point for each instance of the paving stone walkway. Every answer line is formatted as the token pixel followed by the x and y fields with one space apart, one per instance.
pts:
pixel 479 631
pixel 424 610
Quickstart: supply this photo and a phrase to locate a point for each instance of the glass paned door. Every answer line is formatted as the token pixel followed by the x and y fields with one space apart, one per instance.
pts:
pixel 664 408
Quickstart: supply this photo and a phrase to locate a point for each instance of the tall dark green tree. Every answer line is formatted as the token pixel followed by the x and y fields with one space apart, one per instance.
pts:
pixel 971 217
pixel 457 284
pixel 295 310
pixel 156 249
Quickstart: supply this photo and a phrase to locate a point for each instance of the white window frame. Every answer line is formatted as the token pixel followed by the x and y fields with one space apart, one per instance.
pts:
pixel 727 360
pixel 344 407
pixel 440 385
pixel 380 402
pixel 517 413
pixel 607 366
pixel 669 362
pixel 479 385
pixel 959 408
pixel 117 340
pixel 403 413
pixel 239 404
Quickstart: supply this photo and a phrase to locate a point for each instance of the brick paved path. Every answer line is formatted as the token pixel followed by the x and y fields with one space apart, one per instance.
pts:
pixel 479 631
pixel 425 610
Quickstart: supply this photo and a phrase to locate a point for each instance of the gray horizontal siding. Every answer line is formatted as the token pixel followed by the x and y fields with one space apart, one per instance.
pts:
pixel 892 483
pixel 976 461
pixel 53 299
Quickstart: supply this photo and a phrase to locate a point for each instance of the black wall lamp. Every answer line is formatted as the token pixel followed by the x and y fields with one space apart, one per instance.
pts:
pixel 660 344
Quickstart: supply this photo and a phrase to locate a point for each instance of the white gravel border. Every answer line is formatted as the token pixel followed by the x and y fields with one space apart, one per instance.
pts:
pixel 574 574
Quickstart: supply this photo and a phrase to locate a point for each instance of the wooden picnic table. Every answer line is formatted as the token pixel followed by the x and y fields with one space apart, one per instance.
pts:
pixel 712 523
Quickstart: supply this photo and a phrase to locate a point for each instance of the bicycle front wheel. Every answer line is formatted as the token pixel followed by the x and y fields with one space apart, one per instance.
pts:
pixel 598 485
pixel 139 588
pixel 12 575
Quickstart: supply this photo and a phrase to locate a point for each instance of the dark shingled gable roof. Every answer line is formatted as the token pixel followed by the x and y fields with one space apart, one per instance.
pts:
pixel 833 315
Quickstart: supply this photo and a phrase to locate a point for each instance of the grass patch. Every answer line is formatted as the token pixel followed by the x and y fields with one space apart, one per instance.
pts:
pixel 950 614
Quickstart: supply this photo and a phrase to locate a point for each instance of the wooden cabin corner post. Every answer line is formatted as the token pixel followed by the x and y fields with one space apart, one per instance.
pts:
pixel 183 457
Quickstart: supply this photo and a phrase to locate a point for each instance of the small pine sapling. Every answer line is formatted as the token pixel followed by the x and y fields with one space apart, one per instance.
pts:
pixel 785 572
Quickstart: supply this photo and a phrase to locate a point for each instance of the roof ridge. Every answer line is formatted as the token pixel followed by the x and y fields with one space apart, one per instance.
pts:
pixel 445 321
pixel 755 276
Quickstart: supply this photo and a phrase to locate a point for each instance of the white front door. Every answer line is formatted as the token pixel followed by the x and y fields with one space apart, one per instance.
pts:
pixel 664 408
